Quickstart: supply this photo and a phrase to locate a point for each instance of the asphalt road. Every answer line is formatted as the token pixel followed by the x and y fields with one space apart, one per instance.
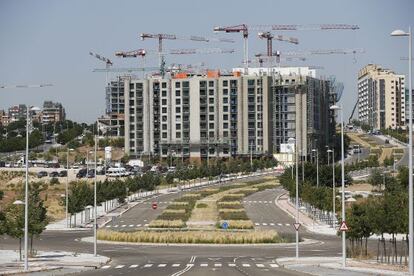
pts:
pixel 129 259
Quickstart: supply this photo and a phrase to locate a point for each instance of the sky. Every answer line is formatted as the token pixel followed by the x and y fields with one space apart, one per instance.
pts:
pixel 48 41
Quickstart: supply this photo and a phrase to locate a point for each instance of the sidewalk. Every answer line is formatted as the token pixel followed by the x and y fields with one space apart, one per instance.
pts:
pixel 311 225
pixel 333 266
pixel 49 261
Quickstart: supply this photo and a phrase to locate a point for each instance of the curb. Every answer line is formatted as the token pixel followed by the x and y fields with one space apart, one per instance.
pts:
pixel 305 242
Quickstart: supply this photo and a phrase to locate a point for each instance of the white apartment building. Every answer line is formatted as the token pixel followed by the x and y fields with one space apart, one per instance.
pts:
pixel 381 98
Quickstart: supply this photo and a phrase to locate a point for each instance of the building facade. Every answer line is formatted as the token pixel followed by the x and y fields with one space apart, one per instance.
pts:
pixel 212 115
pixel 115 107
pixel 52 112
pixel 381 98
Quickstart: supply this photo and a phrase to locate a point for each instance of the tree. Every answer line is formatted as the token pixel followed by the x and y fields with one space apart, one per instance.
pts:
pixel 14 218
pixel 37 213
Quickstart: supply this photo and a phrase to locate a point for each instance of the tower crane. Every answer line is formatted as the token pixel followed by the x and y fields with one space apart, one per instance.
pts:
pixel 244 29
pixel 108 63
pixel 269 37
pixel 161 37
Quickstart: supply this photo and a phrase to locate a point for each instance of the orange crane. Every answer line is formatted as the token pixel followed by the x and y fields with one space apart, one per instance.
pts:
pixel 244 29
pixel 161 37
pixel 269 37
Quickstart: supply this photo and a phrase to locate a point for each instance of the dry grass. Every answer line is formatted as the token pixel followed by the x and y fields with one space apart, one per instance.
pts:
pixel 212 237
pixel 229 205
pixel 239 224
pixel 166 224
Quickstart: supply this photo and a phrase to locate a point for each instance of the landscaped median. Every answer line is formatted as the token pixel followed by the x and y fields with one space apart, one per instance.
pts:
pixel 212 215
pixel 194 237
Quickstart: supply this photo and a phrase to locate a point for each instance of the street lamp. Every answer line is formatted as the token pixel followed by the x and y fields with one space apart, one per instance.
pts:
pixel 291 141
pixel 335 107
pixel 317 167
pixel 333 185
pixel 410 149
pixel 66 188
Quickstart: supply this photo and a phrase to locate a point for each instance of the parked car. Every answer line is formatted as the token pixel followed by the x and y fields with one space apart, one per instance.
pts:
pixel 63 173
pixel 387 141
pixel 91 173
pixel 41 174
pixel 54 174
pixel 81 173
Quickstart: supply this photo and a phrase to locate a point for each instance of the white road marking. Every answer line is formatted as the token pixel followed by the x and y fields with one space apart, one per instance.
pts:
pixel 123 225
pixel 246 265
pixel 203 265
pixel 257 224
pixel 272 224
pixel 119 266
pixel 138 225
pixel 162 265
pixel 260 201
pixel 232 264
pixel 264 224
pixel 133 266
pixel 217 265
pixel 260 265
pixel 131 225
pixel 148 265
pixel 287 224
pixel 274 265
pixel 280 224
pixel 146 225
pixel 116 226
pixel 105 267
pixel 176 265
pixel 108 226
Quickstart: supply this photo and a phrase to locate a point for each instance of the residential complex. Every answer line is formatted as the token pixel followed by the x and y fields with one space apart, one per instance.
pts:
pixel 52 112
pixel 381 98
pixel 199 116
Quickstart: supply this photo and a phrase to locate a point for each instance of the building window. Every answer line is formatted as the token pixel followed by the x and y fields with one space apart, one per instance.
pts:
pixel 164 85
pixel 177 93
pixel 177 101
pixel 164 135
pixel 211 108
pixel 164 93
pixel 225 83
pixel 178 126
pixel 177 84
pixel 225 100
pixel 225 134
pixel 211 92
pixel 211 125
pixel 225 108
pixel 178 110
pixel 164 101
pixel 211 83
pixel 250 82
pixel 211 117
pixel 225 92
pixel 164 126
pixel 225 117
pixel 211 100
pixel 225 125
pixel 164 110
pixel 178 134
pixel 186 84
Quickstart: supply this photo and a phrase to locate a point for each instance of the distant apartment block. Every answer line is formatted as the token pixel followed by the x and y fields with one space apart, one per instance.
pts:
pixel 4 118
pixel 115 107
pixel 407 105
pixel 381 98
pixel 17 112
pixel 52 112
pixel 204 116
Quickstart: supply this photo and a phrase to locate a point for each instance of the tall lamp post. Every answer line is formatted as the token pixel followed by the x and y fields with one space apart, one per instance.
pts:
pixel 317 167
pixel 26 192
pixel 291 141
pixel 333 185
pixel 335 107
pixel 410 149
pixel 67 188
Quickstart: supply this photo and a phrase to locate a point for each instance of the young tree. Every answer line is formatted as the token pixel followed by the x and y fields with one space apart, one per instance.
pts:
pixel 14 219
pixel 37 213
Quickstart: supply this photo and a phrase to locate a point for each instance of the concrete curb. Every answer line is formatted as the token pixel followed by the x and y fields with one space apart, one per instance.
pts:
pixel 305 242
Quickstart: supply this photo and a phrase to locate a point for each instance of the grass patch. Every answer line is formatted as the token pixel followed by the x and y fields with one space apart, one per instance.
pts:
pixel 399 150
pixel 237 224
pixel 232 197
pixel 166 224
pixel 205 237
pixel 201 205
pixel 229 205
pixel 246 191
pixel 233 214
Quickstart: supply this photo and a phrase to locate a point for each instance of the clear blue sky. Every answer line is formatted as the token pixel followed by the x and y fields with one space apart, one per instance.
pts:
pixel 48 41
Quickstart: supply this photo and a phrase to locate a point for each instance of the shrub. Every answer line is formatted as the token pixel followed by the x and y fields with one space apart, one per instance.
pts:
pixel 247 191
pixel 201 205
pixel 191 196
pixel 233 214
pixel 265 186
pixel 229 205
pixel 238 224
pixel 166 224
pixel 54 181
pixel 232 197
pixel 212 237
pixel 207 192
pixel 179 205
pixel 173 215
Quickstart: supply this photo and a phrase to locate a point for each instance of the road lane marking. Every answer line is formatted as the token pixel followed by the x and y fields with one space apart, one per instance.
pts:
pixel 162 265
pixel 123 225
pixel 138 225
pixel 257 224
pixel 108 226
pixel 274 265
pixel 146 225
pixel 280 224
pixel 119 266
pixel 217 265
pixel 106 267
pixel 264 224
pixel 260 265
pixel 287 224
pixel 246 265
pixel 232 264
pixel 272 224
pixel 116 226
pixel 203 265
pixel 133 266
pixel 176 265
pixel 148 265
pixel 131 225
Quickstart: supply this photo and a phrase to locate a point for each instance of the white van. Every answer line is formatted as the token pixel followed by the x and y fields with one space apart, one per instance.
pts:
pixel 116 172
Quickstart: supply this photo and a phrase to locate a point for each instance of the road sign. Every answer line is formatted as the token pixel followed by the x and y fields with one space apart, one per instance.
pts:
pixel 154 205
pixel 296 225
pixel 225 225
pixel 343 227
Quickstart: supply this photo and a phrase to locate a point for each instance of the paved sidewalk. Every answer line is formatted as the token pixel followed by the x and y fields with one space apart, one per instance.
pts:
pixel 311 225
pixel 64 262
pixel 333 266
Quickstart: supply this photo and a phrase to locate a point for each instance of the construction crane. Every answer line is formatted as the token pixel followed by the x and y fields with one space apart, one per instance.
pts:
pixel 108 63
pixel 129 70
pixel 270 37
pixel 161 37
pixel 244 29
pixel 143 52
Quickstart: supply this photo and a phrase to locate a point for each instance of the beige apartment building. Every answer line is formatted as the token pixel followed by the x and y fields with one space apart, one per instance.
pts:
pixel 381 98
pixel 201 116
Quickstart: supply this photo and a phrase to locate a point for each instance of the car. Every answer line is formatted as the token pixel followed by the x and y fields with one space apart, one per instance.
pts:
pixel 81 173
pixel 91 173
pixel 41 174
pixel 63 173
pixel 54 174
pixel 387 141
